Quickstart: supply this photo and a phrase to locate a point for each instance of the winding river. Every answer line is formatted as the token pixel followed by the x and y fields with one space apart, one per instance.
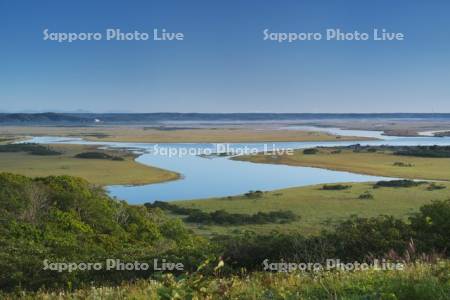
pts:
pixel 217 176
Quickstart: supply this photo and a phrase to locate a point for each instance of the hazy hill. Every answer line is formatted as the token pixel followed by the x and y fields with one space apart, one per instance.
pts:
pixel 129 118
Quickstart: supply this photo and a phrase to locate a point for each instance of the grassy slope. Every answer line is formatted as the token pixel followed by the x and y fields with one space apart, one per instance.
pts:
pixel 97 171
pixel 380 163
pixel 318 208
pixel 139 134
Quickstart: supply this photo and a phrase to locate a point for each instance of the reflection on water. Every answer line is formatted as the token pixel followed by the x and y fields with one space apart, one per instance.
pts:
pixel 220 176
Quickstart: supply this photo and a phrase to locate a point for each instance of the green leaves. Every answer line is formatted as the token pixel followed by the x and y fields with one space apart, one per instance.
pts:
pixel 65 219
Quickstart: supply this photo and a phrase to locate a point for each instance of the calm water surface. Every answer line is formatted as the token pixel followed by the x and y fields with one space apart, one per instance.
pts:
pixel 220 176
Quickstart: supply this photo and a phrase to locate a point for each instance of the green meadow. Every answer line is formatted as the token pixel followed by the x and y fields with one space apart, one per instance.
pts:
pixel 124 170
pixel 318 208
pixel 381 162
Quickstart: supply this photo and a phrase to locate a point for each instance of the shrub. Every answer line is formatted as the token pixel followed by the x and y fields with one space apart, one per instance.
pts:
pixel 431 226
pixel 254 194
pixel 98 155
pixel 358 238
pixel 402 164
pixel 398 183
pixel 65 219
pixel 249 250
pixel 434 186
pixel 221 217
pixel 365 196
pixel 335 187
pixel 310 151
pixel 33 149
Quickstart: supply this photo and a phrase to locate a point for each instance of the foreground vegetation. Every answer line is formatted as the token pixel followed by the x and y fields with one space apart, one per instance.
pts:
pixel 430 163
pixel 417 281
pixel 65 219
pixel 103 167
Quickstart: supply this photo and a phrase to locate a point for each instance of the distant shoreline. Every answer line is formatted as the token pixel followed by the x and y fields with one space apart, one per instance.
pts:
pixel 139 118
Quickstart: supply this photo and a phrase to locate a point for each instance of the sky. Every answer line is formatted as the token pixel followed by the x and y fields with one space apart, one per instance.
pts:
pixel 224 64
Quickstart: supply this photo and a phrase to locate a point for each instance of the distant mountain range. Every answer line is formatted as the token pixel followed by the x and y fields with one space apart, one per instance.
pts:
pixel 141 118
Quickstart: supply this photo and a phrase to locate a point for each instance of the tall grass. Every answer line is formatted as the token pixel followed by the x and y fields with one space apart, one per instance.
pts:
pixel 416 281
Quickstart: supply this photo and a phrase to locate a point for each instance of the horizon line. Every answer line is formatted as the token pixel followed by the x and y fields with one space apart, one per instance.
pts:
pixel 229 113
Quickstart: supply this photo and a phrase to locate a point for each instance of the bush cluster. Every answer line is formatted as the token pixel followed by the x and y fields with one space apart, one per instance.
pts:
pixel 311 151
pixel 221 217
pixel 65 219
pixel 403 183
pixel 98 155
pixel 34 149
pixel 426 151
pixel 355 239
pixel 254 194
pixel 335 187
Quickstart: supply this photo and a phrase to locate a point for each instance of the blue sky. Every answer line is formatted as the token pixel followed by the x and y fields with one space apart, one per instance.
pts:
pixel 224 65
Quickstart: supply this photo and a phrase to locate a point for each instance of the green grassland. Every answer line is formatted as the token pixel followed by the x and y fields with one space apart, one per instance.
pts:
pixel 97 171
pixel 318 208
pixel 380 163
